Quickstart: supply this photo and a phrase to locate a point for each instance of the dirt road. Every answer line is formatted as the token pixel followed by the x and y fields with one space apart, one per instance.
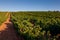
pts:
pixel 7 31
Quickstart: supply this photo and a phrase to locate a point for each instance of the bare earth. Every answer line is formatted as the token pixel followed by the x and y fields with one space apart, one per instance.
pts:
pixel 7 31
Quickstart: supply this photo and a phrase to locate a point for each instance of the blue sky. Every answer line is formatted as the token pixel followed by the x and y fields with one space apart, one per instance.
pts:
pixel 29 5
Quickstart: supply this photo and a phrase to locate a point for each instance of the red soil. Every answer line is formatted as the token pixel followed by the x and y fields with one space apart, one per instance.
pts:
pixel 7 31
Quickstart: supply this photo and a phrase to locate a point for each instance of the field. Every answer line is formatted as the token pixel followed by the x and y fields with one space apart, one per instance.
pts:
pixel 3 17
pixel 37 25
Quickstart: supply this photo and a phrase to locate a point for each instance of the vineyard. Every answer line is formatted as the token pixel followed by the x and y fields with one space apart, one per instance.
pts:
pixel 37 25
pixel 3 17
pixel 44 25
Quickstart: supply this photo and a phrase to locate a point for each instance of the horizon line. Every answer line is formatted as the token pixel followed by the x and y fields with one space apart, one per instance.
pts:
pixel 29 10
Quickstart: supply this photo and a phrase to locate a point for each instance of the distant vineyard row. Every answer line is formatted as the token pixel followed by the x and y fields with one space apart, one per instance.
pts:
pixel 37 25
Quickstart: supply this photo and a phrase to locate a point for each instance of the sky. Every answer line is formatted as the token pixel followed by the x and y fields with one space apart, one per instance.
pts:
pixel 29 5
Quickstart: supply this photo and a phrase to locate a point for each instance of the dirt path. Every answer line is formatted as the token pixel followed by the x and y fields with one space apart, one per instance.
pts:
pixel 7 31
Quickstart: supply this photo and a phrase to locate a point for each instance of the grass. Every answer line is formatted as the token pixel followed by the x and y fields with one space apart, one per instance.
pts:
pixel 3 17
